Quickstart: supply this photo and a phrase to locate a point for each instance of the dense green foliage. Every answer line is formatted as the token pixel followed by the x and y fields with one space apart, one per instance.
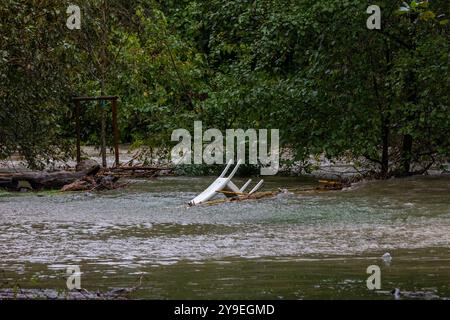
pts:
pixel 308 67
pixel 33 96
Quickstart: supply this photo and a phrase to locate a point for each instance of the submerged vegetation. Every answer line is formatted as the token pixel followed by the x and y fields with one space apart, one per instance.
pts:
pixel 310 68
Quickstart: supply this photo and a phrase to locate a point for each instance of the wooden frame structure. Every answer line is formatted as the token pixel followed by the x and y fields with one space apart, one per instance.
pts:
pixel 77 101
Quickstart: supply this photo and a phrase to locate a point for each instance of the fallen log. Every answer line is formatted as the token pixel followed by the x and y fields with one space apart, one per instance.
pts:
pixel 144 168
pixel 84 184
pixel 5 182
pixel 98 183
pixel 45 180
pixel 138 171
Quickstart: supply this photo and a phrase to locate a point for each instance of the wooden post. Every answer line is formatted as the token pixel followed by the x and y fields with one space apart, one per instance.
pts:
pixel 115 131
pixel 113 99
pixel 103 133
pixel 77 124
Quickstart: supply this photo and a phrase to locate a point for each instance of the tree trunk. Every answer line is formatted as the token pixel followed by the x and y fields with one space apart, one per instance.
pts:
pixel 385 153
pixel 103 134
pixel 407 154
pixel 44 180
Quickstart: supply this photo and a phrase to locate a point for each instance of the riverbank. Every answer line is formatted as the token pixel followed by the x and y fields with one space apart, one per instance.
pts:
pixel 316 167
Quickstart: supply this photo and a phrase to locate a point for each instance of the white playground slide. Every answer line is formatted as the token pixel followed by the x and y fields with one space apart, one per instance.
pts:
pixel 224 184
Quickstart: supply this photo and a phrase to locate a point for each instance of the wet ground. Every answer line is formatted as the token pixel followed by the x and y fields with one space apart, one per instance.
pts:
pixel 288 247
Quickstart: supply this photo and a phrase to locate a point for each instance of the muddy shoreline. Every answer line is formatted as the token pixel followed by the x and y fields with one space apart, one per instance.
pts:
pixel 321 168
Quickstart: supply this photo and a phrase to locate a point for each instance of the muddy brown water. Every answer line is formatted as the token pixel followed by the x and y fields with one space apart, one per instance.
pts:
pixel 315 246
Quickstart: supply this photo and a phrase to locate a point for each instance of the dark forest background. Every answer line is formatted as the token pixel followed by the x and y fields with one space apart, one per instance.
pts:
pixel 308 67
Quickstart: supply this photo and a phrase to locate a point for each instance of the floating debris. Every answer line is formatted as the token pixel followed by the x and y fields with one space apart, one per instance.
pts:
pixel 224 185
pixel 387 258
pixel 423 295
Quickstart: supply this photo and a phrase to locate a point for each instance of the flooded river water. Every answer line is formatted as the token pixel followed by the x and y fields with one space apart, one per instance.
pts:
pixel 289 247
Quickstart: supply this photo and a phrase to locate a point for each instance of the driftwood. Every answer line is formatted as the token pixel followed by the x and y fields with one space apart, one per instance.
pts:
pixel 45 180
pixel 90 183
pixel 138 171
pixel 87 177
pixel 324 186
pixel 239 197
pixel 84 184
